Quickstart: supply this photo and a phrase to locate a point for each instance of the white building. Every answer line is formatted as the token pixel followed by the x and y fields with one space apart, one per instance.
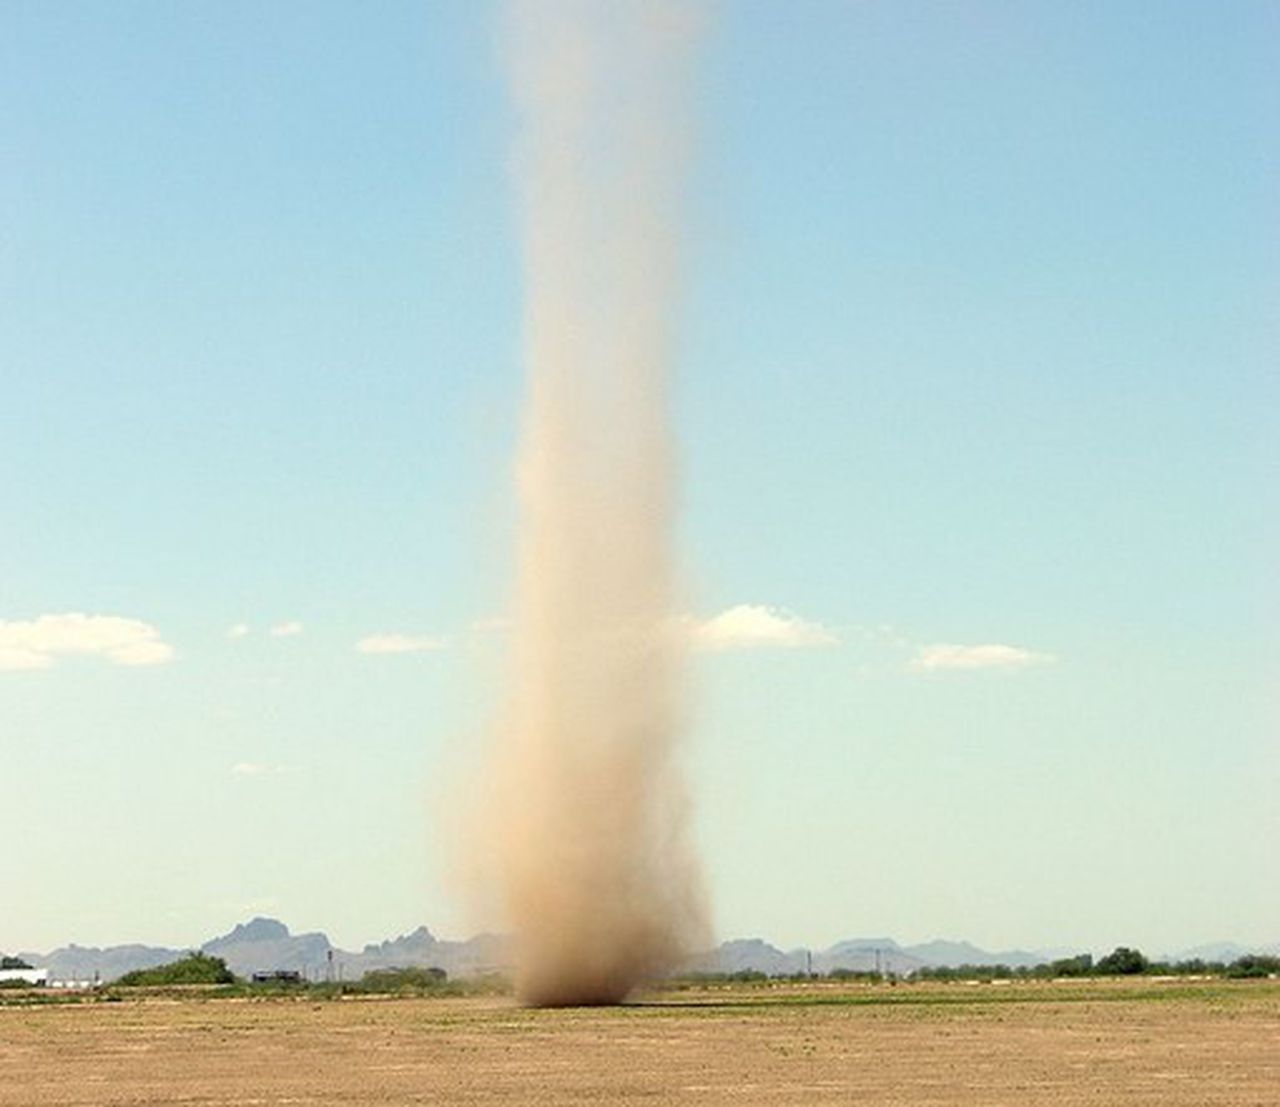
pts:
pixel 27 976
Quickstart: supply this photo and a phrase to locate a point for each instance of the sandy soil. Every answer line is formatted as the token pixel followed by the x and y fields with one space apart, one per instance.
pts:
pixel 1171 1045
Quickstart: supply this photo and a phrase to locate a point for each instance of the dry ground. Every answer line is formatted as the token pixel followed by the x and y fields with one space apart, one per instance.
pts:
pixel 1026 1044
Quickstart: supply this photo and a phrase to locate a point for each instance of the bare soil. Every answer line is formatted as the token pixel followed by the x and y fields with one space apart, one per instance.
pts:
pixel 1167 1044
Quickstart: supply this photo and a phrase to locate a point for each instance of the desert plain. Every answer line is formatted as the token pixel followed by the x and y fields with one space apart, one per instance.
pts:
pixel 1172 1043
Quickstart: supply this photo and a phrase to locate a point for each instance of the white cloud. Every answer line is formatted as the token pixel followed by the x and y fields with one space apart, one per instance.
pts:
pixel 14 657
pixel 285 630
pixel 990 656
pixel 249 768
pixel 238 631
pixel 755 626
pixel 256 768
pixel 37 643
pixel 398 643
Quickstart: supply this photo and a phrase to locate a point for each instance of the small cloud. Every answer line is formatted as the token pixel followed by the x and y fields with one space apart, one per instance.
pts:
pixel 256 768
pixel 991 656
pixel 37 643
pixel 249 768
pixel 286 630
pixel 238 631
pixel 398 643
pixel 755 626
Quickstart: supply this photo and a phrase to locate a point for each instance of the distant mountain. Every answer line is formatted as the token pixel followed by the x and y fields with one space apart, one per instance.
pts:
pixel 408 949
pixel 866 955
pixel 87 963
pixel 257 929
pixel 1211 951
pixel 1056 953
pixel 266 945
pixel 941 953
pixel 483 953
pixel 854 954
pixel 1221 951
pixel 749 955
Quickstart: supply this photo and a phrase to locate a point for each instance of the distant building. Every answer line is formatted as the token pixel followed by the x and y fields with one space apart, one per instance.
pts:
pixel 278 976
pixel 37 977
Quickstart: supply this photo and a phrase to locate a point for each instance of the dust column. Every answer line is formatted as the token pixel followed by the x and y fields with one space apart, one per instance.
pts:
pixel 599 881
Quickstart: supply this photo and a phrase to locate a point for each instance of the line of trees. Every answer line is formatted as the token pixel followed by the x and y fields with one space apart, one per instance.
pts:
pixel 1122 961
pixel 201 968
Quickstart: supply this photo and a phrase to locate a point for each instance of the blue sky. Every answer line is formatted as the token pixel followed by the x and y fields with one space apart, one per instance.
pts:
pixel 978 348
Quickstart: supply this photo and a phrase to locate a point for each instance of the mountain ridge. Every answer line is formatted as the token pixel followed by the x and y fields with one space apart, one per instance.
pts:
pixel 264 944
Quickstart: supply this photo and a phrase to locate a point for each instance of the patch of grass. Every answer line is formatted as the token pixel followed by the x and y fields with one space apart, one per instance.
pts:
pixel 968 995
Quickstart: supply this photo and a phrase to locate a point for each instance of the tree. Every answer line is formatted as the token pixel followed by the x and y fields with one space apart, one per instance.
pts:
pixel 1254 964
pixel 1122 961
pixel 196 968
pixel 1081 965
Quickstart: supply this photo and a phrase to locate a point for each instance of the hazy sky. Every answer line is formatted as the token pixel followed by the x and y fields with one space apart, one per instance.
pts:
pixel 978 408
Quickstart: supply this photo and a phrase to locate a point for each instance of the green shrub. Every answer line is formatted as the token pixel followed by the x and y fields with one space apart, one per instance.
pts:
pixel 403 980
pixel 197 968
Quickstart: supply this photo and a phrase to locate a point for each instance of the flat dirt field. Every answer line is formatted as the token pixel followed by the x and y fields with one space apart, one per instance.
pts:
pixel 1119 1042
